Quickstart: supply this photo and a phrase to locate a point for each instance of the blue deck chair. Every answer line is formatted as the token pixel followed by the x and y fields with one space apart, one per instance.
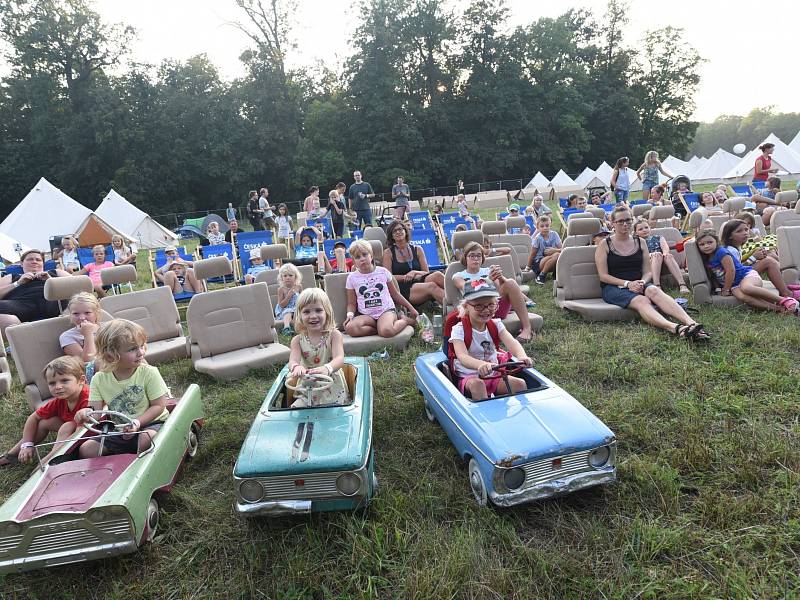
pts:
pixel 247 241
pixel 85 255
pixel 327 226
pixel 449 218
pixel 357 234
pixel 328 245
pixel 609 208
pixel 427 241
pixel 563 203
pixel 225 250
pixel 638 201
pixel 421 219
pixel 759 185
pixel 742 189
pixel 160 259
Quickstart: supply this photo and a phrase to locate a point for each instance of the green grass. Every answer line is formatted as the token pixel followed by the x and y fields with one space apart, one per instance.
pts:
pixel 706 506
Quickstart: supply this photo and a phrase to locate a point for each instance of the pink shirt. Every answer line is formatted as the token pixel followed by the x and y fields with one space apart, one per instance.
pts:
pixel 372 291
pixel 93 271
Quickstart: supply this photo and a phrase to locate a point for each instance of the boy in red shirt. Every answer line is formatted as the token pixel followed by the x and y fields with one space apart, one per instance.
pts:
pixel 67 383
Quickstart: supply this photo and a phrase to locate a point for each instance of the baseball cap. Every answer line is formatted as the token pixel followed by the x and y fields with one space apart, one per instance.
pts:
pixel 340 243
pixel 513 207
pixel 603 231
pixel 170 249
pixel 255 253
pixel 480 288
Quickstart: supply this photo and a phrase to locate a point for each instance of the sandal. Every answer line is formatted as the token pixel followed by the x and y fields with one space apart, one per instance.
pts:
pixel 789 304
pixel 9 460
pixel 525 339
pixel 696 332
pixel 793 286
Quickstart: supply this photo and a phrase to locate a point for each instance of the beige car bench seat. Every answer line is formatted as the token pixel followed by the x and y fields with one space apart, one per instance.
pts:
pixel 5 373
pixel 35 344
pixel 638 210
pixel 515 223
pixel 662 215
pixel 154 309
pixel 520 245
pixel 784 218
pixel 232 331
pixel 272 278
pixel 698 280
pixel 578 287
pixel 452 296
pixel 462 238
pixel 334 284
pixel 493 227
pixel 789 253
pixel 376 233
pixel 580 232
pixel 787 198
pixel 208 268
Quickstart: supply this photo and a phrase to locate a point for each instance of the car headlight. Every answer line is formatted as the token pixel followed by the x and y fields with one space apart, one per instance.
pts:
pixel 251 490
pixel 96 516
pixel 599 456
pixel 348 484
pixel 514 478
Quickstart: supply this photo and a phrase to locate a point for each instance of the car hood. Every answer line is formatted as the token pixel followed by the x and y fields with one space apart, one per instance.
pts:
pixel 74 486
pixel 315 440
pixel 536 425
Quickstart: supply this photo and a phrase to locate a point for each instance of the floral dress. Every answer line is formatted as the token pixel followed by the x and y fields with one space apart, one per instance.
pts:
pixel 316 356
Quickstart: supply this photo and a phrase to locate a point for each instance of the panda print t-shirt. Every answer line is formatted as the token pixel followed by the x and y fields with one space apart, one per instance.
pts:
pixel 372 291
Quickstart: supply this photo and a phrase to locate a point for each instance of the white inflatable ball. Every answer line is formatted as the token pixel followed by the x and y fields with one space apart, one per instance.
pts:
pixel 739 148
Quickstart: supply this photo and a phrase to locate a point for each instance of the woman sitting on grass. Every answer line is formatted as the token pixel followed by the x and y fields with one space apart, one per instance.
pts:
pixel 623 264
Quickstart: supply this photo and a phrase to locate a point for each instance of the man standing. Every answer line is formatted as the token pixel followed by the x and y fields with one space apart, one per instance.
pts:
pixel 358 199
pixel 266 210
pixel 400 195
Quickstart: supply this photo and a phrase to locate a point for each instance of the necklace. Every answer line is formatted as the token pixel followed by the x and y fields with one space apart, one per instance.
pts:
pixel 315 354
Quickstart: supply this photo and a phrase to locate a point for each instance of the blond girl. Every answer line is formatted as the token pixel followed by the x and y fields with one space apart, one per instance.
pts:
pixel 649 171
pixel 290 287
pixel 318 348
pixel 122 254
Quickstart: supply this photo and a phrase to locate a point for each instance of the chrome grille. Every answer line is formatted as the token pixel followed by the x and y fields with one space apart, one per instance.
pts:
pixel 542 470
pixel 114 527
pixel 62 540
pixel 9 542
pixel 315 485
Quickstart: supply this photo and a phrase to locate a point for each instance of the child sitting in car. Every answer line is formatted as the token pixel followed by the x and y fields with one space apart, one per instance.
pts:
pixel 128 385
pixel 484 334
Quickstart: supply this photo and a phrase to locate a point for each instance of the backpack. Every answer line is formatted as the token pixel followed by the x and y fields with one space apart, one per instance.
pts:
pixel 452 320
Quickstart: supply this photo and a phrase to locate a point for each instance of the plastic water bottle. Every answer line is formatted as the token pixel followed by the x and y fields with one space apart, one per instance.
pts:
pixel 437 325
pixel 427 328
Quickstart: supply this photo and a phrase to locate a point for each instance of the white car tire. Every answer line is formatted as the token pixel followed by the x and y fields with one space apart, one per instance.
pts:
pixel 476 484
pixel 152 519
pixel 428 412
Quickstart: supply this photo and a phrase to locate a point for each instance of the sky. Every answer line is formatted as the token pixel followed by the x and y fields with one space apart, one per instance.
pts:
pixel 745 44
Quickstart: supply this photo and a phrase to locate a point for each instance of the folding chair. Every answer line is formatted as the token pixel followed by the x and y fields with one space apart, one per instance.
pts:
pixel 427 241
pixel 247 241
pixel 690 202
pixel 741 189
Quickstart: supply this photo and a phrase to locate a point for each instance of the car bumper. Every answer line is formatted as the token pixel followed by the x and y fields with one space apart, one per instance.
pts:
pixel 277 508
pixel 28 563
pixel 555 487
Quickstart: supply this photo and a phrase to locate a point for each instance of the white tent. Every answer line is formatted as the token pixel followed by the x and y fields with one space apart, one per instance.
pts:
pixel 603 173
pixel 795 143
pixel 784 158
pixel 585 177
pixel 123 215
pixel 47 211
pixel 10 249
pixel 676 166
pixel 561 180
pixel 539 181
pixel 716 167
pixel 634 181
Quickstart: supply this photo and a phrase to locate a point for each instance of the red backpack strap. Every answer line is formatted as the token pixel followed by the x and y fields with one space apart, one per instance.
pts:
pixel 467 331
pixel 494 333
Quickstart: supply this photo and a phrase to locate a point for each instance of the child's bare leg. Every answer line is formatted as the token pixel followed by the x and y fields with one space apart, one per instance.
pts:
pixel 674 270
pixel 197 286
pixel 389 324
pixel 341 260
pixel 287 319
pixel 753 288
pixel 656 260
pixel 477 388
pixel 361 326
pixel 772 268
pixel 64 432
pixel 171 281
pixel 89 449
pixel 249 279
pixel 517 385
pixel 742 296
pixel 43 427
pixel 511 290
pixel 98 289
pixel 146 439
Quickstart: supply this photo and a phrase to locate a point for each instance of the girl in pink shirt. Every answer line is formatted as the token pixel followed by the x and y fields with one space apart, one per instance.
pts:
pixel 93 269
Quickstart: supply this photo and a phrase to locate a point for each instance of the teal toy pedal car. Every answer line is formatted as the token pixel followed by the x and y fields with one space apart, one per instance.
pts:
pixel 310 459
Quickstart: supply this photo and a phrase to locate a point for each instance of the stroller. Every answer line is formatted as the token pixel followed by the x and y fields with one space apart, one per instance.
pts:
pixel 677 182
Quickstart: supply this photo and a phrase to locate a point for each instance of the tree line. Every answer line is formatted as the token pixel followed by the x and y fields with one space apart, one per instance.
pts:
pixel 728 130
pixel 432 93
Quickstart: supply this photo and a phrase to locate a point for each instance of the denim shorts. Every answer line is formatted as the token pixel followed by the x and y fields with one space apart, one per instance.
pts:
pixel 622 195
pixel 618 296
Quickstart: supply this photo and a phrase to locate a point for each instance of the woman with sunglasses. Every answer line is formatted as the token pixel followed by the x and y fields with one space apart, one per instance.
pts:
pixel 623 264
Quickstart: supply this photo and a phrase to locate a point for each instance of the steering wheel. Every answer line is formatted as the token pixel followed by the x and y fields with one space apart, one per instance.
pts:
pixel 309 383
pixel 101 428
pixel 507 368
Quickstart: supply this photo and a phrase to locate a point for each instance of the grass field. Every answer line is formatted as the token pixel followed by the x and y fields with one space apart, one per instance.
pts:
pixel 706 506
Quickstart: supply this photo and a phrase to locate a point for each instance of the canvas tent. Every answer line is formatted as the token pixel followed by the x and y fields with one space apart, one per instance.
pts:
pixel 795 143
pixel 716 167
pixel 133 221
pixel 585 177
pixel 784 158
pixel 10 249
pixel 603 173
pixel 561 180
pixel 47 211
pixel 676 166
pixel 539 181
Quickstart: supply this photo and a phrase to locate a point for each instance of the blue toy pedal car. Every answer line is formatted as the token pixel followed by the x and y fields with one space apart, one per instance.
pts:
pixel 520 447
pixel 310 459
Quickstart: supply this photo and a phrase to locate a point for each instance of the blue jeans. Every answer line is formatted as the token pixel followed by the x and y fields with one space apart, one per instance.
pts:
pixel 364 215
pixel 621 195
